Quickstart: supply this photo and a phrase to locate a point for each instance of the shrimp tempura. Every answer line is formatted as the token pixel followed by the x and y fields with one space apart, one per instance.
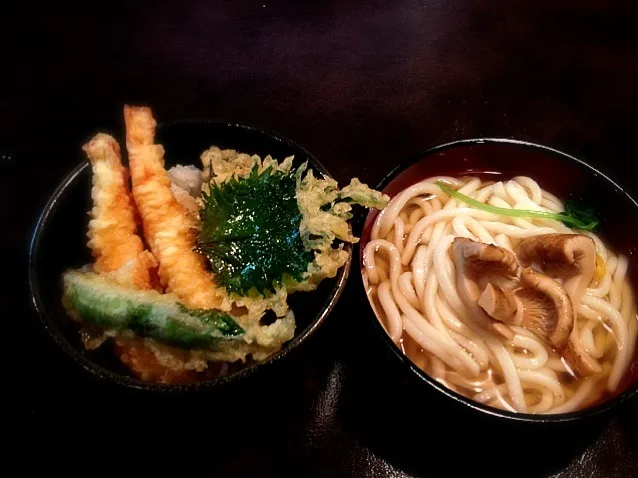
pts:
pixel 113 239
pixel 167 227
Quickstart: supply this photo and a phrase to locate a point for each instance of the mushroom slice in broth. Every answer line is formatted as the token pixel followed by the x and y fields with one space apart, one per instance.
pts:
pixel 570 257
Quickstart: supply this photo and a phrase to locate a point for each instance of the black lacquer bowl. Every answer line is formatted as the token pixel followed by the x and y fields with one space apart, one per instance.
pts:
pixel 59 242
pixel 557 172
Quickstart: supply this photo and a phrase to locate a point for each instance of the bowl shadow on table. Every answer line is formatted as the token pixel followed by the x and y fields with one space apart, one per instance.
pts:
pixel 245 425
pixel 628 418
pixel 420 431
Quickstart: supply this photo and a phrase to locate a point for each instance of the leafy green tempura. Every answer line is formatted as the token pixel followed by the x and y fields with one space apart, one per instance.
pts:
pixel 250 231
pixel 105 304
pixel 268 229
pixel 573 216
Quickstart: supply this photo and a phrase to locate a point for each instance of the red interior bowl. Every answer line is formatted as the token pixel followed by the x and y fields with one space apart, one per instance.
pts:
pixel 559 173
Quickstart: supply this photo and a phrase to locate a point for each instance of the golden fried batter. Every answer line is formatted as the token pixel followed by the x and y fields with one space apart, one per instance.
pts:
pixel 142 361
pixel 167 227
pixel 112 233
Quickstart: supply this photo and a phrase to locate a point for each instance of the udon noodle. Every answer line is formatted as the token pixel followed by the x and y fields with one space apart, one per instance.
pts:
pixel 411 279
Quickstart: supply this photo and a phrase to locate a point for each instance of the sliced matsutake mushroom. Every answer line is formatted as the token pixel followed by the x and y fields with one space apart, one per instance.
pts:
pixel 571 257
pixel 485 263
pixel 545 308
pixel 500 304
pixel 479 265
pixel 541 305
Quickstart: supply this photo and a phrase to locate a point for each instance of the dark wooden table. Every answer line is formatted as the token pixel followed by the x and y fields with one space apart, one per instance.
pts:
pixel 362 85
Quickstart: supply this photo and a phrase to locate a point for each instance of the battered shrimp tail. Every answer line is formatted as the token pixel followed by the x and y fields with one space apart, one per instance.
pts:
pixel 167 227
pixel 113 239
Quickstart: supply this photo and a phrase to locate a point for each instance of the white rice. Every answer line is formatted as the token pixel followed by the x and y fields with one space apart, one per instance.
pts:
pixel 188 178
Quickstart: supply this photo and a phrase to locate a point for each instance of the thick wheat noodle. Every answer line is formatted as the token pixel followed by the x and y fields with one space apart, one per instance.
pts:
pixel 575 401
pixel 490 393
pixel 532 186
pixel 424 206
pixel 460 229
pixel 498 190
pixel 406 286
pixel 453 321
pixel 438 368
pixel 387 217
pixel 551 205
pixel 463 382
pixel 510 374
pixel 542 380
pixel 549 388
pixel 446 280
pixel 437 232
pixel 392 314
pixel 503 241
pixel 537 350
pixel 515 231
pixel 482 194
pixel 517 192
pixel 602 288
pixel 415 234
pixel 431 345
pixel 467 226
pixel 426 237
pixel 470 186
pixel 588 313
pixel 429 303
pixel 618 279
pixel 419 271
pixel 452 347
pixel 556 364
pixel 621 334
pixel 517 221
pixel 399 227
pixel 475 349
pixel 545 403
pixel 441 340
pixel 408 265
pixel 588 341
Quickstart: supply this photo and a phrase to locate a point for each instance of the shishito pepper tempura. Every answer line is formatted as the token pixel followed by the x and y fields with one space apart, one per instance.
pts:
pixel 227 244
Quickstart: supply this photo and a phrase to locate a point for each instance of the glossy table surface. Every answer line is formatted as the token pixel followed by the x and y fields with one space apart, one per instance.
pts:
pixel 363 86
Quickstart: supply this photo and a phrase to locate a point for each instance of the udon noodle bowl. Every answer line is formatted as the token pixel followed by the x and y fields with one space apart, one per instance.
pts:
pixel 523 314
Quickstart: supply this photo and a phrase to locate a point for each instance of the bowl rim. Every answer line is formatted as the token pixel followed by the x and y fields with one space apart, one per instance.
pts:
pixel 98 371
pixel 425 155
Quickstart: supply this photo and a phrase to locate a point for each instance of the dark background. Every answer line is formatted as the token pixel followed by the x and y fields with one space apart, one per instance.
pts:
pixel 362 85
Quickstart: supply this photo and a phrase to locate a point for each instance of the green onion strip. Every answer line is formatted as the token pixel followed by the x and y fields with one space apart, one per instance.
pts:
pixel 501 211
